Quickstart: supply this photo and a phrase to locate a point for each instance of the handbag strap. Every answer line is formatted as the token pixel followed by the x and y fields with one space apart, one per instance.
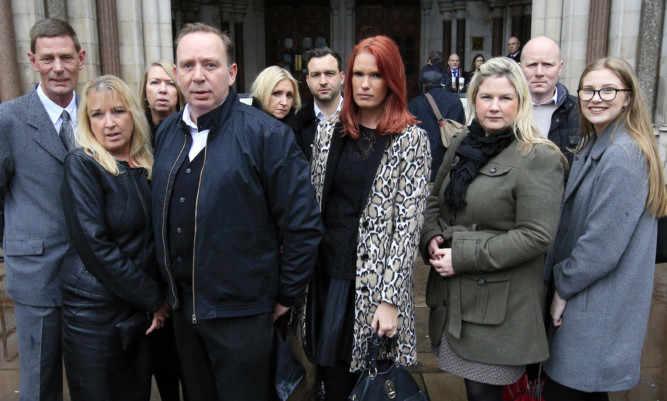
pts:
pixel 434 107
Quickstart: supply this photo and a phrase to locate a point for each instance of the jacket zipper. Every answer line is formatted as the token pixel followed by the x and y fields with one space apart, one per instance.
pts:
pixel 147 218
pixel 164 218
pixel 194 243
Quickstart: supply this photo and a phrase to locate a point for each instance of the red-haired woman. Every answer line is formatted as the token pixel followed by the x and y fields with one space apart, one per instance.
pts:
pixel 370 168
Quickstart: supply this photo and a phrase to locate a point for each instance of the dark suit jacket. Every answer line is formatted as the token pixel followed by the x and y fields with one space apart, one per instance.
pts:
pixel 306 128
pixel 447 80
pixel 516 58
pixel 32 222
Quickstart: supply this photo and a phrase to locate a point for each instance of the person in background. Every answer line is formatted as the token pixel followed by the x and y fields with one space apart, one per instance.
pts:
pixel 160 95
pixel 602 262
pixel 450 107
pixel 36 132
pixel 325 78
pixel 370 169
pixel 434 63
pixel 514 47
pixel 490 219
pixel 456 80
pixel 477 61
pixel 277 93
pixel 110 287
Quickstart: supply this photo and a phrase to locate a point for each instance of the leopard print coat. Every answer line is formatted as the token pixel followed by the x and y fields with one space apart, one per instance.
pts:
pixel 388 235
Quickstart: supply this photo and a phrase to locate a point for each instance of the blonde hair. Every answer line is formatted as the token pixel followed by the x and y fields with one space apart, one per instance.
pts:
pixel 168 67
pixel 524 127
pixel 638 124
pixel 140 147
pixel 267 80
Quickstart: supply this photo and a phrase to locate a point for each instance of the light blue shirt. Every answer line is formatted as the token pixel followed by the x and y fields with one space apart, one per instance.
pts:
pixel 54 111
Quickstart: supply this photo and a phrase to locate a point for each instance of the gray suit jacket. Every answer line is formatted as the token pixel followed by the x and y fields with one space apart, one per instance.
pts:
pixel 602 263
pixel 34 235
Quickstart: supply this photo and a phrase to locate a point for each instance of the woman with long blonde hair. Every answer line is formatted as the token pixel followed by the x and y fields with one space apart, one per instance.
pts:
pixel 601 265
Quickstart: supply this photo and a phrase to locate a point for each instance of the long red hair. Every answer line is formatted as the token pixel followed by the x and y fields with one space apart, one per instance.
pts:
pixel 390 66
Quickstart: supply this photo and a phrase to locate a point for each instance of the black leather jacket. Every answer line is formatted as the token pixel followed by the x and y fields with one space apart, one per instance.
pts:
pixel 254 198
pixel 112 252
pixel 564 130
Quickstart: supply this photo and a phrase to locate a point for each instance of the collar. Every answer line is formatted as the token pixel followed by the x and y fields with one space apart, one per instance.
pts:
pixel 205 120
pixel 54 111
pixel 318 112
pixel 553 100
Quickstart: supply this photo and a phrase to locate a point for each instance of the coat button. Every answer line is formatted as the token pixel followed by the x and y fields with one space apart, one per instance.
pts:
pixel 364 257
pixel 182 200
pixel 188 170
pixel 179 230
pixel 179 259
pixel 493 170
pixel 558 120
pixel 444 303
pixel 481 281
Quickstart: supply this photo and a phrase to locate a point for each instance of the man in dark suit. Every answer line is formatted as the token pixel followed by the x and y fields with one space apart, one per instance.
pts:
pixel 35 134
pixel 455 80
pixel 450 107
pixel 325 78
pixel 514 47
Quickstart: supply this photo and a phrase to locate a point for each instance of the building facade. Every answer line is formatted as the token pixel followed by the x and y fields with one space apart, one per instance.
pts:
pixel 121 37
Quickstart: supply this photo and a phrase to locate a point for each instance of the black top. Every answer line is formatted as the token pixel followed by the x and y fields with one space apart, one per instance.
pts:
pixel 345 204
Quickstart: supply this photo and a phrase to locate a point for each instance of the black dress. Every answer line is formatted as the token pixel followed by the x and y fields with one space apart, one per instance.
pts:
pixel 331 296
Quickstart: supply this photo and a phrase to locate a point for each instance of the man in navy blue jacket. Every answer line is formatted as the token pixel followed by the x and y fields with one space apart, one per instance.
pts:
pixel 236 222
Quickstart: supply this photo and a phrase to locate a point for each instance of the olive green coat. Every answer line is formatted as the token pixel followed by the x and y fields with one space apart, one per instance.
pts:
pixel 492 308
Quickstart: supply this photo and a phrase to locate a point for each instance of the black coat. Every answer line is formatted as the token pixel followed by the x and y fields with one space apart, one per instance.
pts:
pixel 450 107
pixel 109 223
pixel 306 128
pixel 564 129
pixel 257 226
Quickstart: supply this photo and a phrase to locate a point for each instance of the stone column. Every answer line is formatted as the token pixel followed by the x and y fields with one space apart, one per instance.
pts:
pixel 164 31
pixel 57 9
pixel 430 31
pixel 150 11
pixel 598 29
pixel 131 42
pixel 624 30
pixel 574 41
pixel 26 14
pixel 648 51
pixel 546 18
pixel 107 23
pixel 660 117
pixel 10 83
pixel 83 18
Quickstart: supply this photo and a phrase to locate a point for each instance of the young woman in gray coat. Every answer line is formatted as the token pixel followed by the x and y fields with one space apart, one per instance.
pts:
pixel 601 265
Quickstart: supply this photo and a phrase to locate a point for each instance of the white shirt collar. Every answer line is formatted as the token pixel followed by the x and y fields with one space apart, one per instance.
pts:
pixel 318 112
pixel 553 100
pixel 55 111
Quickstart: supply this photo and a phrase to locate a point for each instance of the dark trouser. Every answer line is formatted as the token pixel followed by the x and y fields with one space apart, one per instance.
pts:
pixel 224 359
pixel 97 366
pixel 40 361
pixel 338 382
pixel 554 391
pixel 164 362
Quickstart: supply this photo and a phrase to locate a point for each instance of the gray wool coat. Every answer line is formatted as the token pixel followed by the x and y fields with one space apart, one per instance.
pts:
pixel 602 263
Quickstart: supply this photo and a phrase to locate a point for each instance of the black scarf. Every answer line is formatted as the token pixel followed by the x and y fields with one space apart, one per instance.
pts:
pixel 474 151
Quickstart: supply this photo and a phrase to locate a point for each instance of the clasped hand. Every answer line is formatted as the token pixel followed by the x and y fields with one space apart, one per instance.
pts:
pixel 440 258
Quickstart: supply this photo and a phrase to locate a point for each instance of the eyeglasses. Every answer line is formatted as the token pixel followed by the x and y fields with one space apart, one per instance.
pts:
pixel 606 94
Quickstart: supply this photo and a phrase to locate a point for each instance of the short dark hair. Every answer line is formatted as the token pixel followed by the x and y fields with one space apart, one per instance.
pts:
pixel 319 52
pixel 435 57
pixel 200 27
pixel 50 28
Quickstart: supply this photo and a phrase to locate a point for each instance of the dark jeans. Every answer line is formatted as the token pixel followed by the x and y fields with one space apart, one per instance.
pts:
pixel 224 359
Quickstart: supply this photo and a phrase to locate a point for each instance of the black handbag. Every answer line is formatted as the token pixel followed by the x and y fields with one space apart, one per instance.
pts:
pixel 385 379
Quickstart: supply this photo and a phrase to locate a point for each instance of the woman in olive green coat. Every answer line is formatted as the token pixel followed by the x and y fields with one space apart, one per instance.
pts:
pixel 490 219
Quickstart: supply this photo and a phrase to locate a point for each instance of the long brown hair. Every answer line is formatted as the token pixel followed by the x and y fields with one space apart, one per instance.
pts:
pixel 638 124
pixel 396 116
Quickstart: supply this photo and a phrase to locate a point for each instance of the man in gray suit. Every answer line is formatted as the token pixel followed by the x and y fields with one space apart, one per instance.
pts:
pixel 35 134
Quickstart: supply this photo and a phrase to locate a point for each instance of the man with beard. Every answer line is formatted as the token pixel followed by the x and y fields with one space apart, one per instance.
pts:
pixel 325 79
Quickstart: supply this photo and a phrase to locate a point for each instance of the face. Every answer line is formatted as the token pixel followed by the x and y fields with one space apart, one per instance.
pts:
pixel 542 66
pixel 324 79
pixel 600 112
pixel 202 72
pixel 479 61
pixel 161 92
pixel 497 104
pixel 111 123
pixel 58 64
pixel 281 99
pixel 453 62
pixel 369 89
pixel 513 45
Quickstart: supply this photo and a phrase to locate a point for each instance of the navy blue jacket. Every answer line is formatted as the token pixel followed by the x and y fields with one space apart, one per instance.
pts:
pixel 450 107
pixel 564 129
pixel 254 198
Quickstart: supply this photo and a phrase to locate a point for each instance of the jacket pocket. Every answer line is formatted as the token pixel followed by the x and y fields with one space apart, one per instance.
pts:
pixel 24 247
pixel 494 170
pixel 484 297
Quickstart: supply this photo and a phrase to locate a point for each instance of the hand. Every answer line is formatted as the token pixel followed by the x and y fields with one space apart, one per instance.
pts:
pixel 557 309
pixel 159 317
pixel 434 244
pixel 278 311
pixel 385 320
pixel 442 262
